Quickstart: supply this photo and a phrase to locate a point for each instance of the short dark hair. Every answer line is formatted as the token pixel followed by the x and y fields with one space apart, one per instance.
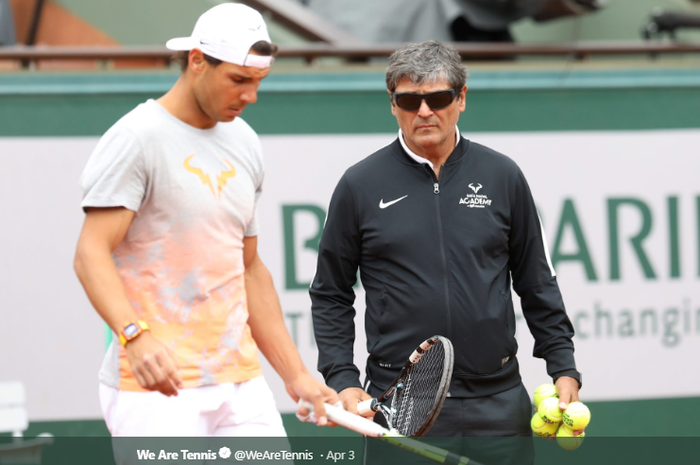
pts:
pixel 261 47
pixel 426 62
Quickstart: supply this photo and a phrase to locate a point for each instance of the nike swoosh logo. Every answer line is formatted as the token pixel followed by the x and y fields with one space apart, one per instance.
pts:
pixel 389 204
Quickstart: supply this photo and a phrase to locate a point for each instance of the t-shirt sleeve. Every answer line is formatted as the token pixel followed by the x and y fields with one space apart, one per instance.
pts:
pixel 253 228
pixel 115 174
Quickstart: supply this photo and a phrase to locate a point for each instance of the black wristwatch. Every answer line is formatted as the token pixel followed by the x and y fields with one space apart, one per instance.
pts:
pixel 571 374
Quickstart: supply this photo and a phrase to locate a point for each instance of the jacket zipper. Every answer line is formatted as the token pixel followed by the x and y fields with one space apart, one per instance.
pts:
pixel 436 191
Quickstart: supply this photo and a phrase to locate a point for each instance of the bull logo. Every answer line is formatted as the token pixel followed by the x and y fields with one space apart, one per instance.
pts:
pixel 221 178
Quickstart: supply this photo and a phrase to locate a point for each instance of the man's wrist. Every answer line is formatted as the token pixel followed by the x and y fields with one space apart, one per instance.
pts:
pixel 351 387
pixel 570 374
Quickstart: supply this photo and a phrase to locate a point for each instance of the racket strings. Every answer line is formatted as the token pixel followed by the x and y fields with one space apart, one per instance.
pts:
pixel 415 403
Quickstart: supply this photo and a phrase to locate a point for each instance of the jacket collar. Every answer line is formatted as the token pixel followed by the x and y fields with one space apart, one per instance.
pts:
pixel 408 155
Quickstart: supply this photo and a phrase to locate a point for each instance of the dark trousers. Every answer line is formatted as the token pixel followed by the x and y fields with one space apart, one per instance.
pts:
pixel 489 430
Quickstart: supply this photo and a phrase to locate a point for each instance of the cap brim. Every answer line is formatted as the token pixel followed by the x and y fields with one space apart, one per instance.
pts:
pixel 182 43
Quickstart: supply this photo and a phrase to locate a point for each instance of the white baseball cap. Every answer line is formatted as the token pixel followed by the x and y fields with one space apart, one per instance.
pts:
pixel 227 32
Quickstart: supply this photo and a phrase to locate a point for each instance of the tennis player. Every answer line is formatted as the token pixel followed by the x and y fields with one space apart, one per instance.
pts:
pixel 168 251
pixel 438 226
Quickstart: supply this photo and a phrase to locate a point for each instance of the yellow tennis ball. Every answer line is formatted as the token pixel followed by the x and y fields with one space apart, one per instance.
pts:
pixel 544 391
pixel 549 410
pixel 576 416
pixel 542 428
pixel 567 440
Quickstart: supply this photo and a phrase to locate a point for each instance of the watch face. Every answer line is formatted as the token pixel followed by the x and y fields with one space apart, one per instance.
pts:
pixel 131 330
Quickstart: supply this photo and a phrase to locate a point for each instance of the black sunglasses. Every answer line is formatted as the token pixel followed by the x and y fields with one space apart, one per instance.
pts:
pixel 411 101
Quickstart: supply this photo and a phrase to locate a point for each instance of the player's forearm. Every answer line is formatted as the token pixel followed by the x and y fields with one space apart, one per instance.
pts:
pixel 266 322
pixel 98 274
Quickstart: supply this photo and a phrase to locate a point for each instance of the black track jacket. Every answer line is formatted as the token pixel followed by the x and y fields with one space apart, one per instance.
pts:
pixel 436 257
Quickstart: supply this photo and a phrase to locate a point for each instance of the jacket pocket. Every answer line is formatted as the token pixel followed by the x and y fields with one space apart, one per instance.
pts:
pixel 488 343
pixel 378 314
pixel 490 347
pixel 509 316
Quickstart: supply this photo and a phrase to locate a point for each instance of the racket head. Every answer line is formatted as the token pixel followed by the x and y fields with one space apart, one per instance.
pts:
pixel 426 380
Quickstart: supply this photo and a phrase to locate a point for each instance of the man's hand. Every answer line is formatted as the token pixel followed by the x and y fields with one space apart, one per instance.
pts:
pixel 153 365
pixel 567 388
pixel 306 387
pixel 350 397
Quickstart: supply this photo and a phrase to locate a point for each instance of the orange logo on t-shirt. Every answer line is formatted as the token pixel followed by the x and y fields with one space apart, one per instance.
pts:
pixel 221 178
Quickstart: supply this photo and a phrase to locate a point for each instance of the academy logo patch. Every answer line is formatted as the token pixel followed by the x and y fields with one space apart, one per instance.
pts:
pixel 475 200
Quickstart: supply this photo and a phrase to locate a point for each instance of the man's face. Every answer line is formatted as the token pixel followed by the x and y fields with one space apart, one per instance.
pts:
pixel 427 130
pixel 223 91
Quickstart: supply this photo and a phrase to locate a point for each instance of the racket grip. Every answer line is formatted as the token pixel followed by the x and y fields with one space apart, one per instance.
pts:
pixel 366 406
pixel 349 420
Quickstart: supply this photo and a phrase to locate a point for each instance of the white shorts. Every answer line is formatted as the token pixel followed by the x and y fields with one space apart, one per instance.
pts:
pixel 236 410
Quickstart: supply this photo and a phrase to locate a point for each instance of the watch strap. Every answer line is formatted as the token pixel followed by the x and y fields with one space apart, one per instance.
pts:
pixel 131 331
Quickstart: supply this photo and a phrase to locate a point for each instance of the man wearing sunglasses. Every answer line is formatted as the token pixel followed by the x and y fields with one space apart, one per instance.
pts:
pixel 439 226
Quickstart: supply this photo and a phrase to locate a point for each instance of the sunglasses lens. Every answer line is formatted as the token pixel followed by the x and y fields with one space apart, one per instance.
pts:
pixel 435 100
pixel 408 102
pixel 439 100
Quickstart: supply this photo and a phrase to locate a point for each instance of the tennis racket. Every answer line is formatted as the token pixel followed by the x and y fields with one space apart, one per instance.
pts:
pixel 367 427
pixel 413 402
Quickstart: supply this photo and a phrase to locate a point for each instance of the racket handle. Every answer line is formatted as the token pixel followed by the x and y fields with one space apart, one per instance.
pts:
pixel 366 406
pixel 349 420
pixel 369 428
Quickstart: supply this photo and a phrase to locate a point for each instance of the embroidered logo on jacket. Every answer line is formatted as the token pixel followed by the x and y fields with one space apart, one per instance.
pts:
pixel 475 200
pixel 383 205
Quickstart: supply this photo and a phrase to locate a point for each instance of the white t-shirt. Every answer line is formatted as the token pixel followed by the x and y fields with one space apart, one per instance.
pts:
pixel 194 192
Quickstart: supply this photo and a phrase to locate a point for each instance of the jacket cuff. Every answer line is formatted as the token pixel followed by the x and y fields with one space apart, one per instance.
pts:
pixel 560 360
pixel 571 374
pixel 343 380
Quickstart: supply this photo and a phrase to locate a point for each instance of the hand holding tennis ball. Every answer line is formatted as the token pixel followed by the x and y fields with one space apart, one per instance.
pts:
pixel 560 417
